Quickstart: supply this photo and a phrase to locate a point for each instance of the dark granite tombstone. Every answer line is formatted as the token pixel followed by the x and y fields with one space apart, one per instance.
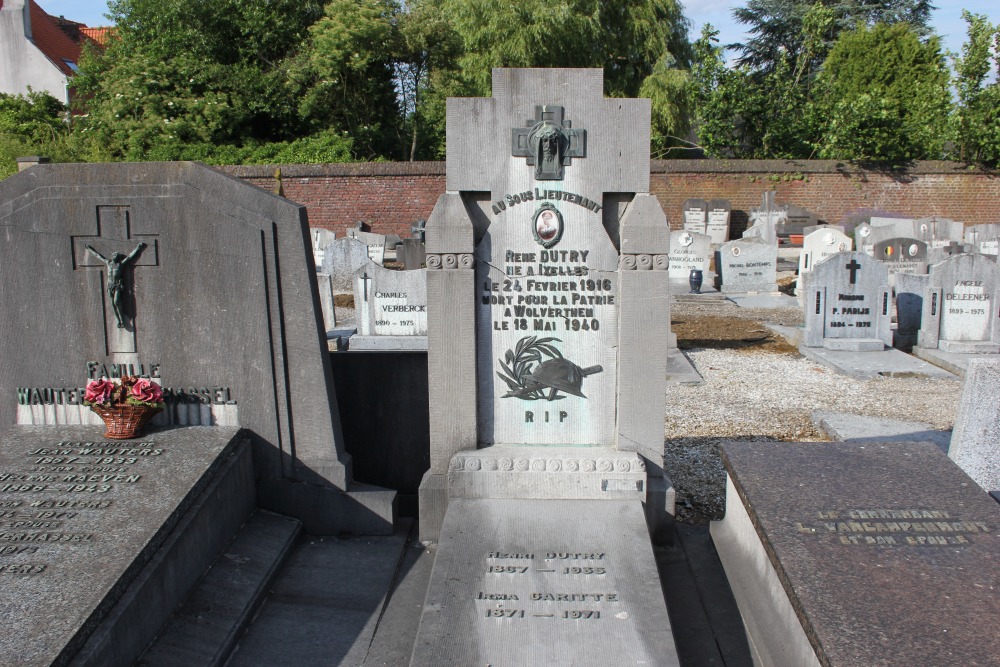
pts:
pixel 902 255
pixel 221 308
pixel 845 554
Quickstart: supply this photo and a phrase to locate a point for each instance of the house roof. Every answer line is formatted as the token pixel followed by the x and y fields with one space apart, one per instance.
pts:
pixel 59 39
pixel 99 35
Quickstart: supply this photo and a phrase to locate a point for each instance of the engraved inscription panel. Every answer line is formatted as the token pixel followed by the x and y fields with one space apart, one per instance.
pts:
pixel 76 511
pixel 893 527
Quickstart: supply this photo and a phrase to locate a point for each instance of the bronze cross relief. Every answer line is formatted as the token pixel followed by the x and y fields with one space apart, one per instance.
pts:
pixel 549 142
pixel 115 250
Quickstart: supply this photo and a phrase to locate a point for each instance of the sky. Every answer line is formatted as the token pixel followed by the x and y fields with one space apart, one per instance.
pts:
pixel 946 19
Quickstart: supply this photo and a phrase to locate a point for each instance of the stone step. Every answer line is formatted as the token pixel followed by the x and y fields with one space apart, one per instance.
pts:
pixel 206 627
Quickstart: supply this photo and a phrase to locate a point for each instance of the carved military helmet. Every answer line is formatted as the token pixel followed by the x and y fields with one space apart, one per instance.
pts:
pixel 561 375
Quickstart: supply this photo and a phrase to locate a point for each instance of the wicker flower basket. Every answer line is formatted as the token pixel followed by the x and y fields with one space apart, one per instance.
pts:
pixel 122 422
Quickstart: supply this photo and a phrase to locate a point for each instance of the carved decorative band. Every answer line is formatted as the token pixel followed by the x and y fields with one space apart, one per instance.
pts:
pixel 450 261
pixel 538 464
pixel 643 262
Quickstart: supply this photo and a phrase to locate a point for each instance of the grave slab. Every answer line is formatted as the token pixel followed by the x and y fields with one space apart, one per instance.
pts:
pixel 102 538
pixel 544 582
pixel 680 370
pixel 777 300
pixel 207 626
pixel 953 362
pixel 845 554
pixel 865 365
pixel 842 426
pixel 362 343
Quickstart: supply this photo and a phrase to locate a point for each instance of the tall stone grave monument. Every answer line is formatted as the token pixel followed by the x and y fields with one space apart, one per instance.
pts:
pixel 206 285
pixel 548 320
pixel 960 306
pixel 846 301
pixel 695 215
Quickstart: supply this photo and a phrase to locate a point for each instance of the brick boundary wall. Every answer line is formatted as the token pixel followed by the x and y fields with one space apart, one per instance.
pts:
pixel 391 196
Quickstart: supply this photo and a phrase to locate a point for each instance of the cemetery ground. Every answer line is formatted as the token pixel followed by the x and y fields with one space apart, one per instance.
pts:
pixel 758 387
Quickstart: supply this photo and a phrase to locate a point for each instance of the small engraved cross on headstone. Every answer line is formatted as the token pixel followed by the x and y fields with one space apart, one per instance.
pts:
pixel 549 142
pixel 953 248
pixel 853 267
pixel 365 279
pixel 116 251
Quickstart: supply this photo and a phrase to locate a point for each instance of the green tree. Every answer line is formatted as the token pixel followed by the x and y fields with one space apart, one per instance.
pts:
pixel 344 75
pixel 896 111
pixel 777 26
pixel 188 74
pixel 746 113
pixel 637 42
pixel 32 124
pixel 426 59
pixel 975 124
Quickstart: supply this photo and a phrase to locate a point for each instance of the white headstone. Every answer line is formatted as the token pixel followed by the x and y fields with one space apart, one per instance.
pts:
pixel 340 260
pixel 863 238
pixel 719 214
pixel 688 250
pixel 937 232
pixel 374 242
pixel 846 301
pixel 747 266
pixel 960 305
pixel 695 215
pixel 390 303
pixel 822 243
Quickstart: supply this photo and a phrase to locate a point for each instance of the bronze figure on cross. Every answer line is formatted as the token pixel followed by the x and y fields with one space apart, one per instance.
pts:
pixel 116 278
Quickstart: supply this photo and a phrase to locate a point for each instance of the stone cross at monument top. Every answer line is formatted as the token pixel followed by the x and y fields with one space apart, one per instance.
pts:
pixel 617 133
pixel 548 298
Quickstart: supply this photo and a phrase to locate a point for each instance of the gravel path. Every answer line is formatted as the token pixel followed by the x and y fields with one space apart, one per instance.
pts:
pixel 755 393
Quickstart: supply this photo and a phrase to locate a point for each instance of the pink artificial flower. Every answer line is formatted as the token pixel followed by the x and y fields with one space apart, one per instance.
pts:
pixel 147 391
pixel 98 391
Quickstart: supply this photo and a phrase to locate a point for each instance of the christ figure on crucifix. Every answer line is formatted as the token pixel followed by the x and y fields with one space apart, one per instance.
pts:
pixel 116 278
